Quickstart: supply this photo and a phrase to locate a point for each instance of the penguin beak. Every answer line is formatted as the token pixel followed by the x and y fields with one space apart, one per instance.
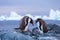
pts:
pixel 33 24
pixel 36 21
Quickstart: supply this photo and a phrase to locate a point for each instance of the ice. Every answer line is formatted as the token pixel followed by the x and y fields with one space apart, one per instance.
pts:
pixel 15 36
pixel 12 34
pixel 48 38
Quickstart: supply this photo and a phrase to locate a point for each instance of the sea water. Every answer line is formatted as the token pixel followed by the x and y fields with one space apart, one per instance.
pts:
pixel 7 31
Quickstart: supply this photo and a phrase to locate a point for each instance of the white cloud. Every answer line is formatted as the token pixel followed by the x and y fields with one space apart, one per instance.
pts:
pixel 35 17
pixel 29 15
pixel 2 18
pixel 45 17
pixel 53 15
pixel 14 16
pixel 58 14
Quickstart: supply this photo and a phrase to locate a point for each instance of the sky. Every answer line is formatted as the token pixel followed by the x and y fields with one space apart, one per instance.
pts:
pixel 33 7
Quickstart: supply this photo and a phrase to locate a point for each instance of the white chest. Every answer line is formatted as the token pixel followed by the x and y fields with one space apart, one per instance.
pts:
pixel 27 25
pixel 41 31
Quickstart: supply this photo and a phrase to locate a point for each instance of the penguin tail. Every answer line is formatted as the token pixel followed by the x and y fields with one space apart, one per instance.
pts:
pixel 16 28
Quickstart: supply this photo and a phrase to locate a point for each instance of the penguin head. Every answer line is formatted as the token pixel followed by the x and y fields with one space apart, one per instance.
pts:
pixel 31 21
pixel 38 20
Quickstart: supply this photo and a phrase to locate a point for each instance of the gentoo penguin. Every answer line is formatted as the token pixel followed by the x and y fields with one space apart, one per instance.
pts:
pixel 42 26
pixel 24 23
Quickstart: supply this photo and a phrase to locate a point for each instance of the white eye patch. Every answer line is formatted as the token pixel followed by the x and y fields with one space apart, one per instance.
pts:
pixel 29 20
